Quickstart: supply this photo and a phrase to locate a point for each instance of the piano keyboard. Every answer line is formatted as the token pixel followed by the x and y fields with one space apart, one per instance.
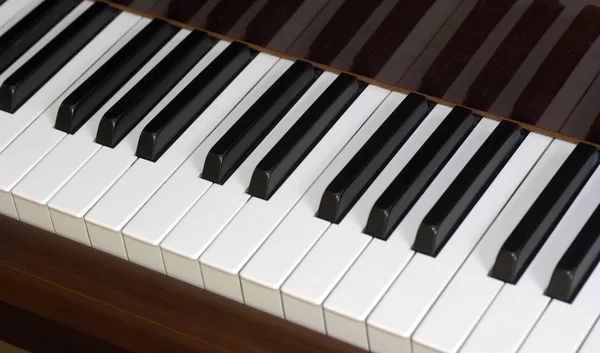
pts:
pixel 378 218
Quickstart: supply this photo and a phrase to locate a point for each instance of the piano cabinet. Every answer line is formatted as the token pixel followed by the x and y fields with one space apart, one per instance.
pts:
pixel 124 306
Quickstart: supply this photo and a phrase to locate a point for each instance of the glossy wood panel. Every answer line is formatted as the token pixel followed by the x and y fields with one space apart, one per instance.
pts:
pixel 36 334
pixel 534 61
pixel 134 308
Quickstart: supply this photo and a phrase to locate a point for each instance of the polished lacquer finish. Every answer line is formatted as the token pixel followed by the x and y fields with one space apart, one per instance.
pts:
pixel 534 61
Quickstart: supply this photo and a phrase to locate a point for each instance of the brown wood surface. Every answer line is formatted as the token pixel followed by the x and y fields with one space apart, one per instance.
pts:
pixel 36 334
pixel 531 61
pixel 132 307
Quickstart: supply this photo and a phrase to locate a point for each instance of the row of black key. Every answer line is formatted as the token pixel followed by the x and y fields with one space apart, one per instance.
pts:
pixel 239 142
pixel 34 73
pixel 161 132
pixel 457 201
pixel 172 121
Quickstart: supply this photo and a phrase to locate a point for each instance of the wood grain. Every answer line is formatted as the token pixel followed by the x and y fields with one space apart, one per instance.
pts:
pixel 132 307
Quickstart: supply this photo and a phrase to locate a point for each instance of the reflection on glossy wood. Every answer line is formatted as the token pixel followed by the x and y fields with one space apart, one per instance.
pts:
pixel 530 60
pixel 511 53
pixel 557 67
pixel 462 46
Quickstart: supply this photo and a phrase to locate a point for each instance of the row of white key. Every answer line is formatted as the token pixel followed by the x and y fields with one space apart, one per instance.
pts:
pixel 222 262
pixel 106 220
pixel 60 155
pixel 516 308
pixel 263 276
pixel 21 155
pixel 153 222
pixel 276 255
pixel 105 167
pixel 463 317
pixel 424 277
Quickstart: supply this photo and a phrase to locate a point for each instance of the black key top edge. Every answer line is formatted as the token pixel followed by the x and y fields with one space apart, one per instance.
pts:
pixel 171 122
pixel 37 71
pixel 81 104
pixel 537 224
pixel 353 180
pixel 257 122
pixel 120 119
pixel 440 223
pixel 578 262
pixel 281 161
pixel 416 176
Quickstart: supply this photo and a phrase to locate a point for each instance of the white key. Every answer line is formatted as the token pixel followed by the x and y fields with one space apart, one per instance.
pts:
pixel 397 315
pixel 21 156
pixel 77 197
pixel 154 221
pixel 516 309
pixel 347 307
pixel 13 124
pixel 225 257
pixel 563 326
pixel 33 192
pixel 381 261
pixel 12 11
pixel 592 341
pixel 264 274
pixel 112 212
pixel 460 306
pixel 302 292
pixel 184 245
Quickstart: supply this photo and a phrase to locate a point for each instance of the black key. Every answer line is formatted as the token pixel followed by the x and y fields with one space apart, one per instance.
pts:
pixel 184 109
pixel 352 181
pixel 128 111
pixel 2 2
pixel 540 220
pixel 32 75
pixel 395 202
pixel 79 106
pixel 301 138
pixel 457 201
pixel 578 262
pixel 243 137
pixel 25 33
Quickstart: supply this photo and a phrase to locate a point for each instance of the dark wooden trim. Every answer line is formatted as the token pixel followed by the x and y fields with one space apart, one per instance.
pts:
pixel 132 307
pixel 36 334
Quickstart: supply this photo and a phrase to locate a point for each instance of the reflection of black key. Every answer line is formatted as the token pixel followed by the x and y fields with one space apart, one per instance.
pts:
pixel 32 75
pixel 540 220
pixel 353 180
pixel 578 262
pixel 184 109
pixel 243 137
pixel 79 106
pixel 128 111
pixel 395 202
pixel 466 189
pixel 25 33
pixel 301 138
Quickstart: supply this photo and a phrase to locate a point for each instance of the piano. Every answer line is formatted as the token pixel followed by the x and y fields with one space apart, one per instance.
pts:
pixel 390 176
